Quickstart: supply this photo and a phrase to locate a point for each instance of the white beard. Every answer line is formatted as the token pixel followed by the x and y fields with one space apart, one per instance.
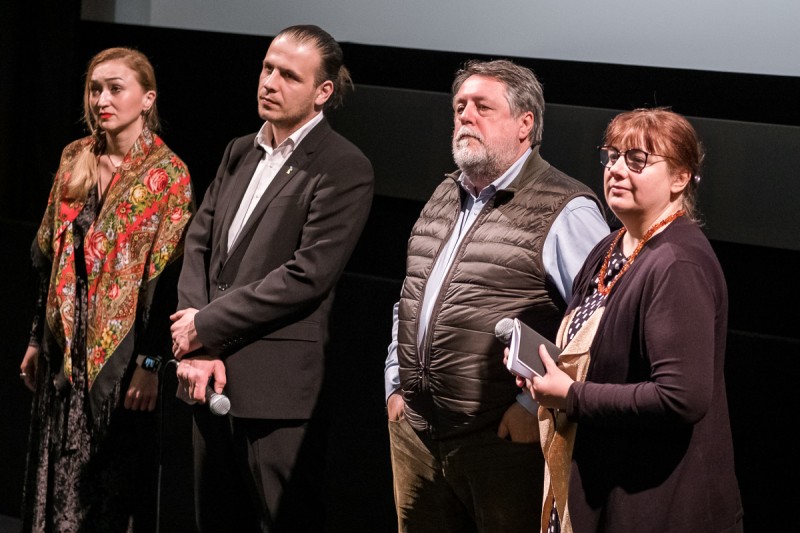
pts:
pixel 482 163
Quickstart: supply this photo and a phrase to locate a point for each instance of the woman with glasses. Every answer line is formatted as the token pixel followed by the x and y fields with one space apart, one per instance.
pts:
pixel 634 418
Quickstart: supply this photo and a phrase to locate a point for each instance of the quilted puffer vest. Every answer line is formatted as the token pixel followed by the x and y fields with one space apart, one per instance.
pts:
pixel 459 383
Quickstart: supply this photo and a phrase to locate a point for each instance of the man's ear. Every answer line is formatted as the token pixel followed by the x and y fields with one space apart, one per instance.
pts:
pixel 324 92
pixel 526 125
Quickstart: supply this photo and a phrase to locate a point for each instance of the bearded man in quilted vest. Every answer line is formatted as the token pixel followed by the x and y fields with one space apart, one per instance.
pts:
pixel 502 237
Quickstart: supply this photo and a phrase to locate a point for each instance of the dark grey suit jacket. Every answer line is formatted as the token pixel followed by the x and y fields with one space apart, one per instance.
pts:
pixel 264 305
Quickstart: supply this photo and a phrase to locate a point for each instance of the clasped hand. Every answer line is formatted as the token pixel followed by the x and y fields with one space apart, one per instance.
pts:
pixel 184 334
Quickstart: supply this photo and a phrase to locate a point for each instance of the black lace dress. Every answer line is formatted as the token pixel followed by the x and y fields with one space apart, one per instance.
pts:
pixel 85 472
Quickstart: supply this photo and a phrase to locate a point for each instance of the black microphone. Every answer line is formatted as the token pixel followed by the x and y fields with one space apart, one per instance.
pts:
pixel 218 404
pixel 503 330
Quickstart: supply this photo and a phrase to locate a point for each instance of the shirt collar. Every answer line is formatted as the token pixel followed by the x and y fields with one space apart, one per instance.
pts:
pixel 504 180
pixel 264 135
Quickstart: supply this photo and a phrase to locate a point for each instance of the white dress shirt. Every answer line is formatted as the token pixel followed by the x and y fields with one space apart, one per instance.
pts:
pixel 269 165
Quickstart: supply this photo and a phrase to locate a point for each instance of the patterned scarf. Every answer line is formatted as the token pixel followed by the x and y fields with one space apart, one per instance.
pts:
pixel 558 435
pixel 134 237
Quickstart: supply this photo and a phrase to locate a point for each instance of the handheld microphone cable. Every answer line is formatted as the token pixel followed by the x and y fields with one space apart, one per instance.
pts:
pixel 160 437
pixel 218 404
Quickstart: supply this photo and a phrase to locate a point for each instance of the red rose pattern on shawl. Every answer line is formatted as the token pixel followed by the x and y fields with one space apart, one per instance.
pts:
pixel 136 234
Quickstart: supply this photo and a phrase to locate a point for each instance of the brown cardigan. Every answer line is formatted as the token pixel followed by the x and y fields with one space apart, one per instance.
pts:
pixel 653 450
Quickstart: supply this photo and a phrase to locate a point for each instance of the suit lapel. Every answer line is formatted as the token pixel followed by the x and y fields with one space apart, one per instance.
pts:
pixel 293 169
pixel 242 175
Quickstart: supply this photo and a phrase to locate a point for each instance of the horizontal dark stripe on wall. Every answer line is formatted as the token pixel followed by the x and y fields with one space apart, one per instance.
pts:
pixel 721 95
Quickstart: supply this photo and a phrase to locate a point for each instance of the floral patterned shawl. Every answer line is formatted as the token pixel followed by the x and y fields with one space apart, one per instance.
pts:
pixel 137 233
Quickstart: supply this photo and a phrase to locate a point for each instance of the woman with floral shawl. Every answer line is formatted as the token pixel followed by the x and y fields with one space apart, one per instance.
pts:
pixel 107 251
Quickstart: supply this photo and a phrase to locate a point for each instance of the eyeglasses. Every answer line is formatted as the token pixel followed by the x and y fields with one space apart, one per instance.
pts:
pixel 635 159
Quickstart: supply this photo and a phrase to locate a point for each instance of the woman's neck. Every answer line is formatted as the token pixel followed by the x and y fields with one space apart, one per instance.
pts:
pixel 637 227
pixel 118 144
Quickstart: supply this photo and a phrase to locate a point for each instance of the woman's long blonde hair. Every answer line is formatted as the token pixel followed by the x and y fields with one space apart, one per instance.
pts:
pixel 85 172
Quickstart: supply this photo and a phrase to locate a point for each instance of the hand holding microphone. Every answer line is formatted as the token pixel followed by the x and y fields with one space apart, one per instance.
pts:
pixel 523 348
pixel 192 372
pixel 525 360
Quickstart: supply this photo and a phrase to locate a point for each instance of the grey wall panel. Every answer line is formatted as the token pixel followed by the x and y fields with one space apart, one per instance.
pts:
pixel 718 35
pixel 751 188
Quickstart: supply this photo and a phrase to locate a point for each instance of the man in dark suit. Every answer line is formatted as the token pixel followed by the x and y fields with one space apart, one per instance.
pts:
pixel 263 254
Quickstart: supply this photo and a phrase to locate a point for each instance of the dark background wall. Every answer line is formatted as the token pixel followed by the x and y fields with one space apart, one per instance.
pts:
pixel 400 117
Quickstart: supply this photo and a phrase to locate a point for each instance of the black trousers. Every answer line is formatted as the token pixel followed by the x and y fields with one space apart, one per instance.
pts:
pixel 257 475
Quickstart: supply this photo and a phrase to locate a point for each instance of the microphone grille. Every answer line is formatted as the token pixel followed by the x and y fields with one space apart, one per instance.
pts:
pixel 219 404
pixel 503 329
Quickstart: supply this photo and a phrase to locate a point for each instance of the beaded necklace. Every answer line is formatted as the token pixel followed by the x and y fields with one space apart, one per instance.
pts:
pixel 601 286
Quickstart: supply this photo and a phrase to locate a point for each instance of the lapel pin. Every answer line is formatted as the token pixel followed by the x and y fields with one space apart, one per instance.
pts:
pixel 290 169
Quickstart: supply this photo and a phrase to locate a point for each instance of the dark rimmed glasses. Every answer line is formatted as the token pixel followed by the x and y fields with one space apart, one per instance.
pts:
pixel 635 159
